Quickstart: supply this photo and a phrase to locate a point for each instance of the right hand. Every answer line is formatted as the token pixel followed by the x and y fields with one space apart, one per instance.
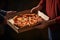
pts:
pixel 35 9
pixel 46 24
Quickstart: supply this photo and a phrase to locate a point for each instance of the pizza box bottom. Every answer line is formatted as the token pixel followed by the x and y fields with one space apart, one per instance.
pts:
pixel 10 22
pixel 17 29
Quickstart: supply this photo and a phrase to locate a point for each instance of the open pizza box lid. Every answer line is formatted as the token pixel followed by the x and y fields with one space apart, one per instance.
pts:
pixel 10 22
pixel 42 15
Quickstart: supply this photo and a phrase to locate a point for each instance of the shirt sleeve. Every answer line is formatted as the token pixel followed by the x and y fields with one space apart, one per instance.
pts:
pixel 2 12
pixel 58 19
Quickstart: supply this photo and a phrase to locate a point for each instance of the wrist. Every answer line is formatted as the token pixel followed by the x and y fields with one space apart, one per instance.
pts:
pixel 53 21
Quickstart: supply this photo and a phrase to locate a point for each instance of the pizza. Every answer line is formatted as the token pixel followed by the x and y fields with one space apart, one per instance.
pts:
pixel 24 20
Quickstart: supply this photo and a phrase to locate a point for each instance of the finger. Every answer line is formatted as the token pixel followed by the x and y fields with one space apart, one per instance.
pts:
pixel 11 11
pixel 31 10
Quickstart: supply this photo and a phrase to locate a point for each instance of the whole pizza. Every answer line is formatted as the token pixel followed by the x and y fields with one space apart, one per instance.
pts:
pixel 24 20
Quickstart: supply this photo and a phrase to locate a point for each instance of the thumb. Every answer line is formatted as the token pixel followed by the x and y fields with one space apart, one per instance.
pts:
pixel 32 10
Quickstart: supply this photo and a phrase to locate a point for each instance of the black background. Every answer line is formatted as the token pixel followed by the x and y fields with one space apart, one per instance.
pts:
pixel 18 4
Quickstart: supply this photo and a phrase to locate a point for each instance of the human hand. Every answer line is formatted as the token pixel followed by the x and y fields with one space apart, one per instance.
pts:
pixel 8 13
pixel 46 24
pixel 35 9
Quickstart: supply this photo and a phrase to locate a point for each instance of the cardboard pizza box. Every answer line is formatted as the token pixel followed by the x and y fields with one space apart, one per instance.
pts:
pixel 10 22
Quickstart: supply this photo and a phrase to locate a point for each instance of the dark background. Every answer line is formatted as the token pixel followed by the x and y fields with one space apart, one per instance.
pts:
pixel 18 4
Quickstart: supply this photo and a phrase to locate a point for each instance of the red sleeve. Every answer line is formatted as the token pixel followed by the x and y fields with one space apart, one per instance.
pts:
pixel 42 4
pixel 58 19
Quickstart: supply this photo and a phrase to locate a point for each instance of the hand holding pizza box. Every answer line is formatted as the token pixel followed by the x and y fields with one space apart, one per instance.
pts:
pixel 25 21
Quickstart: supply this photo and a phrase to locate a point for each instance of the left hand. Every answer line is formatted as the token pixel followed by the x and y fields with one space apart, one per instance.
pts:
pixel 8 13
pixel 45 24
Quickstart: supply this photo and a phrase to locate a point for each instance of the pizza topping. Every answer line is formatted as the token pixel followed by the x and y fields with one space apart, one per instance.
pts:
pixel 26 19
